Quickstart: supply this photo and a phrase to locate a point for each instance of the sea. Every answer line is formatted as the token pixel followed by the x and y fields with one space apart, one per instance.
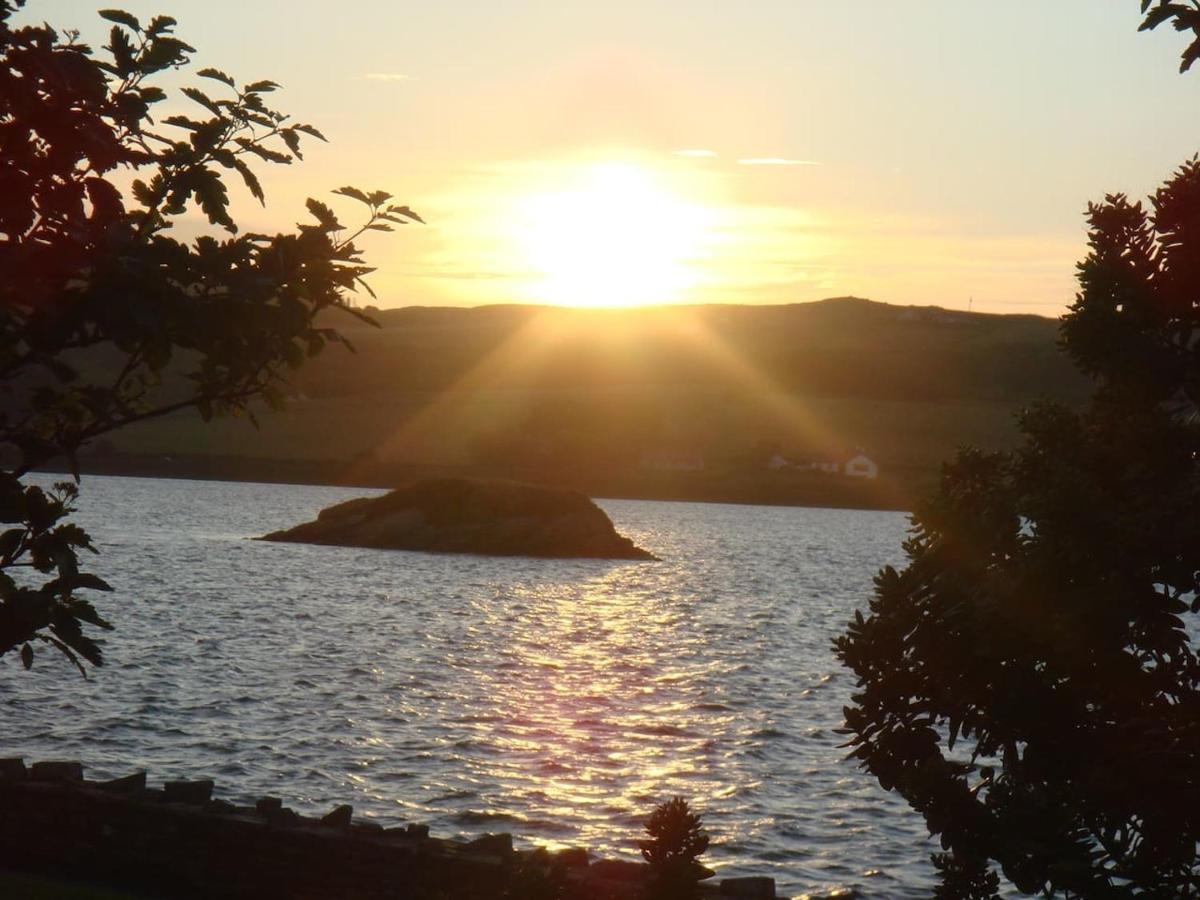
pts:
pixel 559 700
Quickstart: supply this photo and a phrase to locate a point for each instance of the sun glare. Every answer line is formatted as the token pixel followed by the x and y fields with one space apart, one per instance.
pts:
pixel 614 235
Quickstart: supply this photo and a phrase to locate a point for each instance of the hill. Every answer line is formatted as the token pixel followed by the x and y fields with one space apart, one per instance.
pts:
pixel 660 401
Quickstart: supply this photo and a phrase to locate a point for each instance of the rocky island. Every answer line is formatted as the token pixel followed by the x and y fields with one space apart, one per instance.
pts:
pixel 462 515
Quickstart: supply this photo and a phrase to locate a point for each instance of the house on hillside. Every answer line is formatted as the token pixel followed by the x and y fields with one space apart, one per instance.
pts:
pixel 858 466
pixel 861 466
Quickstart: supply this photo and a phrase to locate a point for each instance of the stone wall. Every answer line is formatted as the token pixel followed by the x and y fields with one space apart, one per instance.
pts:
pixel 178 841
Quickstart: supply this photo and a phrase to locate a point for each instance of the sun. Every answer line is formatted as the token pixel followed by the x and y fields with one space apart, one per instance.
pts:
pixel 614 234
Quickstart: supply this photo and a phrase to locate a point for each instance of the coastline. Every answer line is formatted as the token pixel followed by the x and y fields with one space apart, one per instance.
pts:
pixel 739 488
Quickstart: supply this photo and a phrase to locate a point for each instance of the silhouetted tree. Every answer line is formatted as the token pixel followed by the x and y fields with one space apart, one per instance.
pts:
pixel 677 839
pixel 1029 682
pixel 1182 16
pixel 105 318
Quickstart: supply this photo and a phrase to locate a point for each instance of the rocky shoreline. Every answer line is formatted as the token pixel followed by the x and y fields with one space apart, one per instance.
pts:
pixel 177 840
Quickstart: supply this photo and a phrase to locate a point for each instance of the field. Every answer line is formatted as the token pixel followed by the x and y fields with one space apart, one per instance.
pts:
pixel 635 396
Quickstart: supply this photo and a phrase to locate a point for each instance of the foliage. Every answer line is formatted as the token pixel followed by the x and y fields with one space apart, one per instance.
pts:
pixel 676 842
pixel 105 317
pixel 1029 682
pixel 1182 16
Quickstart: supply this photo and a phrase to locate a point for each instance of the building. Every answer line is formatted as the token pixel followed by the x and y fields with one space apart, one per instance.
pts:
pixel 861 466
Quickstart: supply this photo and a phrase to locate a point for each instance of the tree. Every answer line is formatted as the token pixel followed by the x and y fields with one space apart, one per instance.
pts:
pixel 673 850
pixel 1029 682
pixel 105 317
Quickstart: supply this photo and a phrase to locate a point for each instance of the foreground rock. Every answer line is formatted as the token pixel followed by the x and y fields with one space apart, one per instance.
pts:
pixel 460 515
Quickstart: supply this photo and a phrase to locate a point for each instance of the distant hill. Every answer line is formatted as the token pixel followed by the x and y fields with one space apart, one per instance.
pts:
pixel 597 396
pixel 842 347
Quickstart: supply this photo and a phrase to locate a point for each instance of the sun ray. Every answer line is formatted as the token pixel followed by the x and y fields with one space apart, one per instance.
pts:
pixel 517 357
pixel 782 404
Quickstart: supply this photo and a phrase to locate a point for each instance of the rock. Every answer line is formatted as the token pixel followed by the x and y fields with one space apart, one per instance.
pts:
pixel 13 769
pixel 757 887
pixel 56 771
pixel 500 844
pixel 127 784
pixel 220 807
pixel 572 857
pixel 268 805
pixel 420 832
pixel 197 792
pixel 460 515
pixel 340 817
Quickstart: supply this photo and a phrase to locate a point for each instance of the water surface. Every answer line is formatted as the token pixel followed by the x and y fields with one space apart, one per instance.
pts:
pixel 558 700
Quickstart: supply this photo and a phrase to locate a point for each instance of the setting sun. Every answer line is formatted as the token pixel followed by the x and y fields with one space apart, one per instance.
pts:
pixel 613 235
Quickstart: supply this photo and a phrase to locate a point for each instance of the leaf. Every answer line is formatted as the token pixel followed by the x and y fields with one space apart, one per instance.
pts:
pixel 161 25
pixel 27 656
pixel 142 192
pixel 93 582
pixel 203 99
pixel 308 129
pixel 262 152
pixel 405 211
pixel 164 52
pixel 354 193
pixel 292 140
pixel 260 87
pixel 367 287
pixel 1160 14
pixel 378 198
pixel 121 49
pixel 1190 55
pixel 217 75
pixel 85 612
pixel 251 180
pixel 66 651
pixel 323 214
pixel 121 18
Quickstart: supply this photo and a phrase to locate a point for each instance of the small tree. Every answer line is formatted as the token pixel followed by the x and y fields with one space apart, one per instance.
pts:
pixel 676 843
pixel 1029 682
pixel 106 318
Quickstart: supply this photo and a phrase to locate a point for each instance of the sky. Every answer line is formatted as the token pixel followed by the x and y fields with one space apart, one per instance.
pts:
pixel 620 153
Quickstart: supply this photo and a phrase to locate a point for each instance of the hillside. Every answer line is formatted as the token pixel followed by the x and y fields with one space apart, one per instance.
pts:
pixel 634 401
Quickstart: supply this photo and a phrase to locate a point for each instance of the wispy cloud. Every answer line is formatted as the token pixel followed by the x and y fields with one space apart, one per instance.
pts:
pixel 775 161
pixel 385 76
pixel 697 154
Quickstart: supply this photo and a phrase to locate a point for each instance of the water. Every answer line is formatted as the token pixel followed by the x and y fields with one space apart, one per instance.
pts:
pixel 558 700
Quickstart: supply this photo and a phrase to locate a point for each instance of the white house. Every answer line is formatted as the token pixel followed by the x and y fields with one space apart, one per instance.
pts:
pixel 861 466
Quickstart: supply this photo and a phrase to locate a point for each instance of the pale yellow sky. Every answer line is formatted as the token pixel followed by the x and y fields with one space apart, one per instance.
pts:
pixel 762 152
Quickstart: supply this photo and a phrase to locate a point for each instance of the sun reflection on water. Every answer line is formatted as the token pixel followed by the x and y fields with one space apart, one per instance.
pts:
pixel 592 710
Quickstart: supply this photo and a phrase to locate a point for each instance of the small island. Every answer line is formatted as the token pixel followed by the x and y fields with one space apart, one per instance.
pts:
pixel 463 515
